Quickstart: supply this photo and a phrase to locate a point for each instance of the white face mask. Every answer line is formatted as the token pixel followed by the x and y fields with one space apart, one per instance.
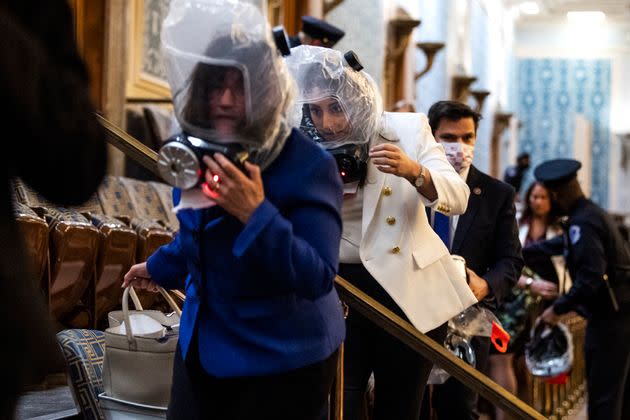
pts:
pixel 459 155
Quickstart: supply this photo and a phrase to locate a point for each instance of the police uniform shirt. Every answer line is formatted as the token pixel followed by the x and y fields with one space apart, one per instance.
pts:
pixel 594 248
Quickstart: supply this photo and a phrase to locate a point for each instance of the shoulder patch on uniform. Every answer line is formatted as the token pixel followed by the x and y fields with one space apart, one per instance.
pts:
pixel 575 233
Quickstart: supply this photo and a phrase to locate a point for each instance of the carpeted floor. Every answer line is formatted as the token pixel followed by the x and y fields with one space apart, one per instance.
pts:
pixel 50 404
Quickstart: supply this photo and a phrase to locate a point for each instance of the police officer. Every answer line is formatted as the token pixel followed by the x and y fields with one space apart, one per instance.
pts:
pixel 316 32
pixel 598 260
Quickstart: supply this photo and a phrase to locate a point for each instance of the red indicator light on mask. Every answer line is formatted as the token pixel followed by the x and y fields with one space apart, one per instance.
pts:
pixel 216 178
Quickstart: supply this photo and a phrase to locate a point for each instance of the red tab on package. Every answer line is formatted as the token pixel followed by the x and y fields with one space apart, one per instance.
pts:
pixel 499 337
pixel 558 379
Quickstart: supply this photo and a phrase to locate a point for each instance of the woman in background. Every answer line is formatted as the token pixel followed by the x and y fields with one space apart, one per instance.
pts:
pixel 537 223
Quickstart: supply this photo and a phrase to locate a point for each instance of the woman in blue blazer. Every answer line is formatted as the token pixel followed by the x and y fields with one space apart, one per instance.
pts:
pixel 258 246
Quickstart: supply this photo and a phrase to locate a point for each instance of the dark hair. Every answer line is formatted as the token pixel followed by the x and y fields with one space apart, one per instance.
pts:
pixel 552 217
pixel 207 77
pixel 452 111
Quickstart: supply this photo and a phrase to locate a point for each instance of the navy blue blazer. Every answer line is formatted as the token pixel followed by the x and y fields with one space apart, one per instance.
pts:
pixel 260 296
pixel 487 235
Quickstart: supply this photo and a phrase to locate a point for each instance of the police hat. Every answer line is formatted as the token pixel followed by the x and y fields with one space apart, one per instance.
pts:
pixel 556 172
pixel 319 29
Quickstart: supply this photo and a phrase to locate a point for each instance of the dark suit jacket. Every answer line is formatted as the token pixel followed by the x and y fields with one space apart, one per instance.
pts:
pixel 52 141
pixel 487 235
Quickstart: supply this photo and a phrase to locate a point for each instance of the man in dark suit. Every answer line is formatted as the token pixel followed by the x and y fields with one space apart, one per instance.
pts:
pixel 52 141
pixel 316 32
pixel 486 235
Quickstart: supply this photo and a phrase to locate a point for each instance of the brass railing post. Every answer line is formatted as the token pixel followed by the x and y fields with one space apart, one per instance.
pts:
pixel 338 392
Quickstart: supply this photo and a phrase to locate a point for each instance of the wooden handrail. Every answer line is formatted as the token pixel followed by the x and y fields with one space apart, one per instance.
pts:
pixel 425 346
pixel 371 309
pixel 130 146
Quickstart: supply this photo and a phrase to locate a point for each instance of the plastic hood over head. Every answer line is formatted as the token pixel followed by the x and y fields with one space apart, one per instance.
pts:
pixel 322 75
pixel 216 46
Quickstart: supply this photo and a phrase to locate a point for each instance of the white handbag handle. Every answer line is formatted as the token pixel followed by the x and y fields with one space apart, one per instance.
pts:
pixel 134 297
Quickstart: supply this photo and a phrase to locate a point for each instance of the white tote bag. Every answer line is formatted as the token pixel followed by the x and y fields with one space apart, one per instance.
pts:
pixel 139 352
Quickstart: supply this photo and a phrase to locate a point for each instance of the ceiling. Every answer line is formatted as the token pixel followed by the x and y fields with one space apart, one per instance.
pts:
pixel 614 9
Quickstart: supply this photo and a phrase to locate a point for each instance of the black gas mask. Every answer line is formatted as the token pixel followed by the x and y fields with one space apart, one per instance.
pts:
pixel 351 162
pixel 351 158
pixel 180 159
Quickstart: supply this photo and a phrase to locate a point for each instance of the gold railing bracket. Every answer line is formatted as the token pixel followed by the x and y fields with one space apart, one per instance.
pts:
pixel 460 85
pixel 429 49
pixel 480 97
pixel 399 31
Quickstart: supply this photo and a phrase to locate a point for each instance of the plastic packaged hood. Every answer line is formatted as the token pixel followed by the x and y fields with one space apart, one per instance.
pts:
pixel 206 42
pixel 324 79
pixel 550 350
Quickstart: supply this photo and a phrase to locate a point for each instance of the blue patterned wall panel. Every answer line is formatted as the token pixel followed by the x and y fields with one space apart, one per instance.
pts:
pixel 550 93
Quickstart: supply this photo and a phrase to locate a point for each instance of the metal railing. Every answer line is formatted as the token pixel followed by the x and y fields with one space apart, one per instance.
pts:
pixel 372 310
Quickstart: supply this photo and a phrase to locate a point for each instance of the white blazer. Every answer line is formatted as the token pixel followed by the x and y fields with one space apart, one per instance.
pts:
pixel 404 254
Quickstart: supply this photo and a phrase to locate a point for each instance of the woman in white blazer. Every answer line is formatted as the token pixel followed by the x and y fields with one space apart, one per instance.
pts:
pixel 392 170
